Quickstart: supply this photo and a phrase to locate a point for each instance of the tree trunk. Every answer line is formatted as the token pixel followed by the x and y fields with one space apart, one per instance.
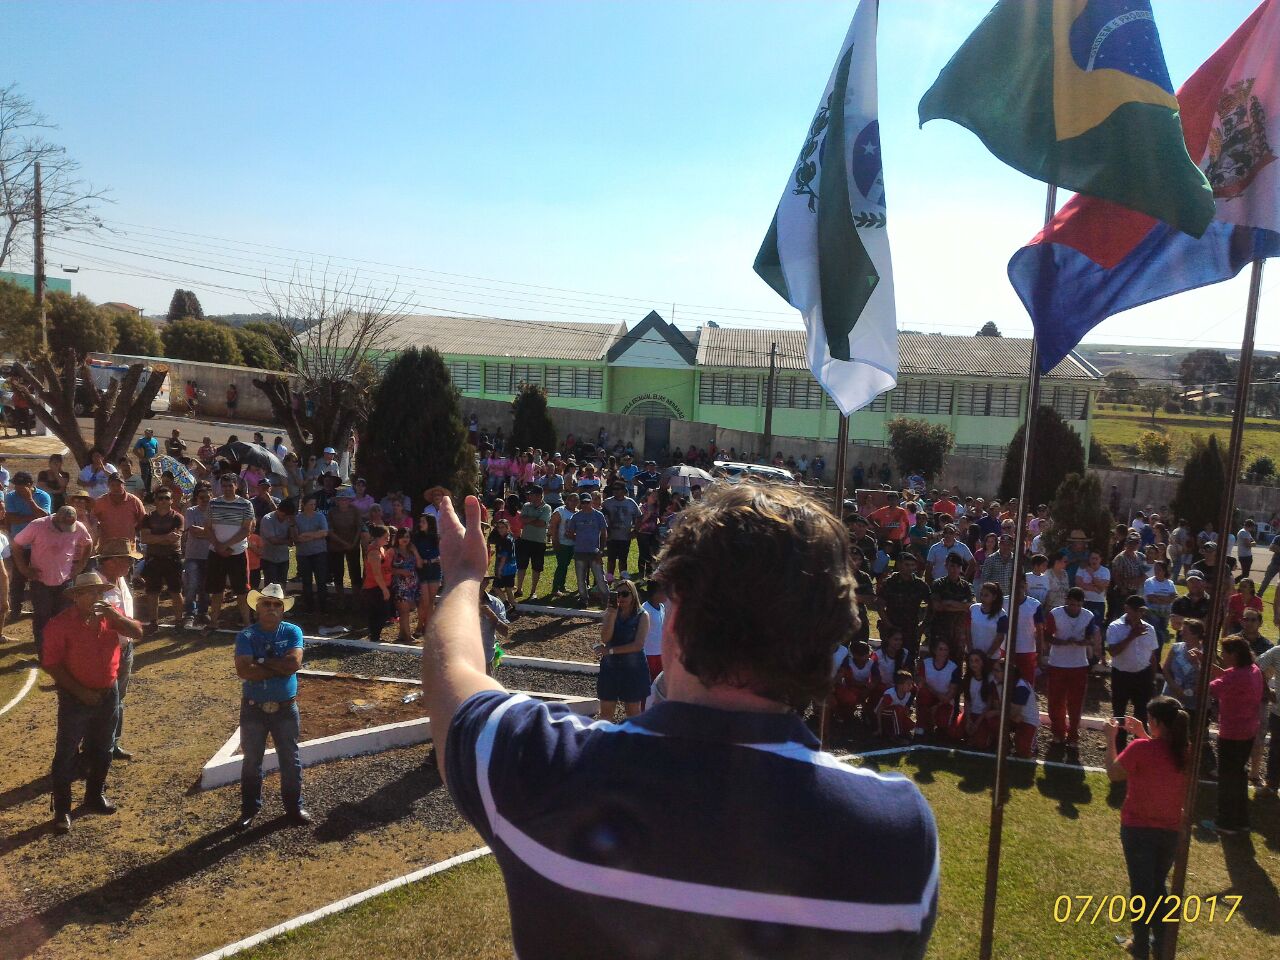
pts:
pixel 335 409
pixel 117 412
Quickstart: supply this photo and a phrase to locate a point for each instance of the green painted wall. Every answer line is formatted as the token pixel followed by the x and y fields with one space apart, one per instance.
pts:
pixel 629 384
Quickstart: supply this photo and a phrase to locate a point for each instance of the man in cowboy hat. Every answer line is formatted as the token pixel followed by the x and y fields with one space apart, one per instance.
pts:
pixel 82 647
pixel 268 655
pixel 115 560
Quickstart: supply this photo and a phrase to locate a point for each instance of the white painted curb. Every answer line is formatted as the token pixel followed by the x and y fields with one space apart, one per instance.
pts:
pixel 231 949
pixel 32 673
pixel 223 768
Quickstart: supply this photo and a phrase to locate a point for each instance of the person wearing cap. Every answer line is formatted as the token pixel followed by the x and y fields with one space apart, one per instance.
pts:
pixel 49 552
pixel 230 523
pixel 345 525
pixel 146 448
pixel 648 478
pixel 1208 563
pixel 23 503
pixel 161 532
pixel 82 655
pixel 119 512
pixel 328 464
pixel 262 500
pixel 1132 643
pixel 268 655
pixel 1195 604
pixel 115 562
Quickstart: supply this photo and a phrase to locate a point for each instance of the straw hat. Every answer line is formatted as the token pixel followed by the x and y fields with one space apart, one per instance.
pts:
pixel 272 591
pixel 87 582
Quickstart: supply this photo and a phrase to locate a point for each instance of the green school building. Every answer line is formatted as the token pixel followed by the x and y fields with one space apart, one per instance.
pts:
pixel 977 386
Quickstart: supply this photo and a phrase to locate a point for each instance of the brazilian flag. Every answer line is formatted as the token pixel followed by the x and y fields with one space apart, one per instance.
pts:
pixel 1076 93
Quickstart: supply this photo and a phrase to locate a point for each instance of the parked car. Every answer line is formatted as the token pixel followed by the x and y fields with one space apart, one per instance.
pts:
pixel 733 471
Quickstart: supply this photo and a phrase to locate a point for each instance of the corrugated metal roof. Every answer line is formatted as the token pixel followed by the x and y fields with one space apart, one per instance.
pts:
pixel 486 337
pixel 919 353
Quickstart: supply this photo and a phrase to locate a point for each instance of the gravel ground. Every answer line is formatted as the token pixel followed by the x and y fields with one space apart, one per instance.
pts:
pixel 378 664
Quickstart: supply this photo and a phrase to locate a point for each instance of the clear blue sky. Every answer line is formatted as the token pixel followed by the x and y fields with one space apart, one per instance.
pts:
pixel 625 150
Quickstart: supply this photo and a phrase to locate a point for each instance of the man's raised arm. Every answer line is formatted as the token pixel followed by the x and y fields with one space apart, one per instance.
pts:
pixel 453 656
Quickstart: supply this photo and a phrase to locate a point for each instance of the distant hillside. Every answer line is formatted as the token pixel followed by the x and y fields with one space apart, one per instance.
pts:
pixel 1155 363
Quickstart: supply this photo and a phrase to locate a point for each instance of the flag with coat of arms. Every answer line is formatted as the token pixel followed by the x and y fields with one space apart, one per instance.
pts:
pixel 827 249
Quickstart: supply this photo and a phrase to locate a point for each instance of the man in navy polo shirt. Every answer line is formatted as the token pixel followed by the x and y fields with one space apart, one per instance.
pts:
pixel 711 825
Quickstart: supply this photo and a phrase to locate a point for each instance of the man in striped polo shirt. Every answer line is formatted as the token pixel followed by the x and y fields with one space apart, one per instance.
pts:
pixel 230 523
pixel 711 825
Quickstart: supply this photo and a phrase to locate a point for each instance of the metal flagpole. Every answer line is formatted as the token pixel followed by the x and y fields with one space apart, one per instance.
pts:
pixel 1218 608
pixel 1000 787
pixel 842 448
pixel 842 451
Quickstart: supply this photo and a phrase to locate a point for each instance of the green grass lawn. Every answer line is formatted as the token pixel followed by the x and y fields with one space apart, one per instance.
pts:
pixel 1121 433
pixel 1061 838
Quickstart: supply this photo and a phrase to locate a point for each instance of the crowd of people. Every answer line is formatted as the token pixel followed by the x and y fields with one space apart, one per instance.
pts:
pixel 931 596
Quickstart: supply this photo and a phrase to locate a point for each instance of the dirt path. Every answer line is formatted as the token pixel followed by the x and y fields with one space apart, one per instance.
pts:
pixel 164 877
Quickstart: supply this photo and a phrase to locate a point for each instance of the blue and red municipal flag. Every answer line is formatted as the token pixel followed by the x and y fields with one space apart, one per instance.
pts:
pixel 1097 258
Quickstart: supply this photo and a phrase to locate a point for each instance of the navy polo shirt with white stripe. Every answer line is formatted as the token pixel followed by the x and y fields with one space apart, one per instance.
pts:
pixel 691 831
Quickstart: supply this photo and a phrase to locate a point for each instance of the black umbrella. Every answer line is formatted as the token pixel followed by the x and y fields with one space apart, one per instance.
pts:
pixel 252 455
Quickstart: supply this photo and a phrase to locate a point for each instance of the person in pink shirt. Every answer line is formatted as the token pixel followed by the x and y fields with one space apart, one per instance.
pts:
pixel 49 552
pixel 1237 686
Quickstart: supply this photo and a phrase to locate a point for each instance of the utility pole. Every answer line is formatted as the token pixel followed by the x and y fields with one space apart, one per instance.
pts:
pixel 39 271
pixel 768 402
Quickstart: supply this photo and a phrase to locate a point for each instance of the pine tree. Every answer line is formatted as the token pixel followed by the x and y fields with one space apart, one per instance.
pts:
pixel 1077 505
pixel 1057 452
pixel 1199 495
pixel 184 305
pixel 531 424
pixel 415 437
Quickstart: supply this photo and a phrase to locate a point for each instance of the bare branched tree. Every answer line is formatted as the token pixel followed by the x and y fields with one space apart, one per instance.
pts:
pixel 334 323
pixel 55 392
pixel 69 202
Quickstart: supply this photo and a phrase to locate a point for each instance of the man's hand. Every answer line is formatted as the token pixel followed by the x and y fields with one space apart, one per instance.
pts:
pixel 464 555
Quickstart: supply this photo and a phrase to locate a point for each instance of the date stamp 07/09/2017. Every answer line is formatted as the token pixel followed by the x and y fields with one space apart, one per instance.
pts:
pixel 1116 908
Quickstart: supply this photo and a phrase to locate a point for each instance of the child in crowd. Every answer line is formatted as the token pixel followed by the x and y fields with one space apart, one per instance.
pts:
pixel 1024 715
pixel 981 717
pixel 888 660
pixel 1038 582
pixel 504 561
pixel 853 682
pixel 893 713
pixel 939 690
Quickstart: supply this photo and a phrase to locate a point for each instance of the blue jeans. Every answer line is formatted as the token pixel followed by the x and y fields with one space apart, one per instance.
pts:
pixel 313 571
pixel 1161 624
pixel 195 598
pixel 46 603
pixel 1148 854
pixel 122 688
pixel 93 726
pixel 255 724
pixel 274 572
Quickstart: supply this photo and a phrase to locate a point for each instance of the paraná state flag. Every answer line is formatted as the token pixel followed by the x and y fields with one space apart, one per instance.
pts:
pixel 827 249
pixel 1076 93
pixel 1095 258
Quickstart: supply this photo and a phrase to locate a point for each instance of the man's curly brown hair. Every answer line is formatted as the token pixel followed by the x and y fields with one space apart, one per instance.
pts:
pixel 761 576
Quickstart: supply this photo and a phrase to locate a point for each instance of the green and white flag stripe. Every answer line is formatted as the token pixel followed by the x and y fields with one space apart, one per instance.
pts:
pixel 827 250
